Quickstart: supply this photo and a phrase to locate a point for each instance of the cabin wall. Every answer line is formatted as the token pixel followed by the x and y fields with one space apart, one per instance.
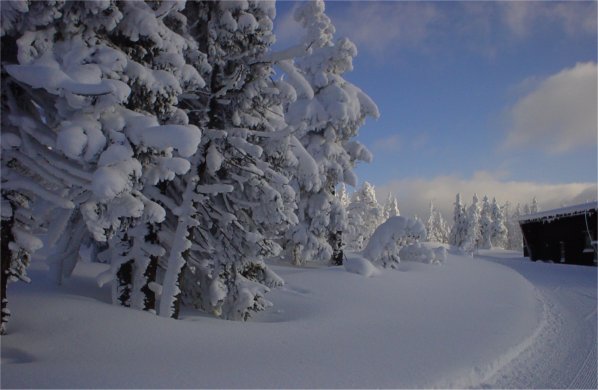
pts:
pixel 561 239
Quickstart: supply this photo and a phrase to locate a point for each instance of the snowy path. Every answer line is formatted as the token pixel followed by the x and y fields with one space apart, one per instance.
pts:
pixel 467 323
pixel 564 353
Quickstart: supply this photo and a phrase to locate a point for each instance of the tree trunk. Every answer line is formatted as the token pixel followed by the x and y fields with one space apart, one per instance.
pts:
pixel 335 239
pixel 149 296
pixel 6 255
pixel 124 283
pixel 337 251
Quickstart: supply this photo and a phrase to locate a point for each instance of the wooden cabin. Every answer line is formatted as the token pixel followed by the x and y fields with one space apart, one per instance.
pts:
pixel 565 235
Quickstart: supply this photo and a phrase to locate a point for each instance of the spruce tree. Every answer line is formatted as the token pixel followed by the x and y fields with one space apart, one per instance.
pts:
pixel 498 231
pixel 458 233
pixel 243 199
pixel 326 116
pixel 365 215
pixel 472 239
pixel 485 224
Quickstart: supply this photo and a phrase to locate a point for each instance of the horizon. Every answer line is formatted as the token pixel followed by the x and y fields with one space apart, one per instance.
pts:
pixel 495 98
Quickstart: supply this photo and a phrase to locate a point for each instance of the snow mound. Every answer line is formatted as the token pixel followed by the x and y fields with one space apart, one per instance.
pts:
pixel 423 253
pixel 388 239
pixel 360 265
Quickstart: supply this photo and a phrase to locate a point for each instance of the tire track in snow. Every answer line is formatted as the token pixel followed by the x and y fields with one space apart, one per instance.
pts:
pixel 564 353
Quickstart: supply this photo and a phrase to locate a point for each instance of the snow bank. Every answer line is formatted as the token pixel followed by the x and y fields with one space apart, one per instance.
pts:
pixel 385 244
pixel 424 253
pixel 426 327
pixel 359 265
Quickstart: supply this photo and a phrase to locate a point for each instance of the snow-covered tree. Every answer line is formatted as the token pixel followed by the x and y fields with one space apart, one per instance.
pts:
pixel 498 231
pixel 436 226
pixel 391 207
pixel 365 214
pixel 485 224
pixel 54 89
pixel 343 195
pixel 247 202
pixel 458 233
pixel 514 235
pixel 390 237
pixel 326 116
pixel 472 239
pixel 534 206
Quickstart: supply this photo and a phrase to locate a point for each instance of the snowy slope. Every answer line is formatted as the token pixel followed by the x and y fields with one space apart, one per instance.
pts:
pixel 463 323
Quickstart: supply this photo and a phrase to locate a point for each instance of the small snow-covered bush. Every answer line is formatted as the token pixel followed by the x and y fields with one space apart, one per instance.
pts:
pixel 359 265
pixel 385 244
pixel 422 253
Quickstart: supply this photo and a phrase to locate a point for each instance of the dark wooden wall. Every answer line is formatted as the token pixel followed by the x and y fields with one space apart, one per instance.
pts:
pixel 565 237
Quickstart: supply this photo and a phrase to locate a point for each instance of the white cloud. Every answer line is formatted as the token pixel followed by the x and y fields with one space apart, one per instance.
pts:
pixel 414 195
pixel 575 18
pixel 560 114
pixel 380 26
pixel 391 143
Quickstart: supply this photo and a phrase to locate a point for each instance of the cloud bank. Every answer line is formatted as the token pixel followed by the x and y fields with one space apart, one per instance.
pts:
pixel 560 114
pixel 414 195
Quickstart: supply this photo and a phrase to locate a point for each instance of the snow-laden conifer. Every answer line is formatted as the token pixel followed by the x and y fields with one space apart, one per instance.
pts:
pixel 343 195
pixel 498 230
pixel 391 207
pixel 104 117
pixel 458 232
pixel 325 117
pixel 365 215
pixel 514 235
pixel 436 226
pixel 485 224
pixel 53 92
pixel 472 238
pixel 243 199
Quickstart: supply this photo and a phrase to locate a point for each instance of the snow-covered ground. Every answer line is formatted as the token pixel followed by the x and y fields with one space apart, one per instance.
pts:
pixel 495 320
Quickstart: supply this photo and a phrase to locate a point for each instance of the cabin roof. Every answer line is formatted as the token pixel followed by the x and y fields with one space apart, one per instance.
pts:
pixel 560 212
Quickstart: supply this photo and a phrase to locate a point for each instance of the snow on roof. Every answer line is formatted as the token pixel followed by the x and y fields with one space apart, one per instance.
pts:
pixel 561 212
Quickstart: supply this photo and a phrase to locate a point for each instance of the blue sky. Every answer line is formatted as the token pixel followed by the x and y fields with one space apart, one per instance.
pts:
pixel 497 98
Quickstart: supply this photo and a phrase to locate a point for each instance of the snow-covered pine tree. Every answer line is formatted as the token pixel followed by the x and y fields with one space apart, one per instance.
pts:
pixel 52 92
pixel 485 224
pixel 364 214
pixel 326 115
pixel 96 108
pixel 343 195
pixel 436 226
pixel 514 235
pixel 152 131
pixel 458 233
pixel 534 206
pixel 472 239
pixel 498 231
pixel 247 200
pixel 391 208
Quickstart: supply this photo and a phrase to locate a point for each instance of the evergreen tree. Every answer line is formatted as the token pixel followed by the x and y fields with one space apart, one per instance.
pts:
pixel 534 206
pixel 242 202
pixel 498 231
pixel 458 233
pixel 485 224
pixel 57 82
pixel 343 196
pixel 391 208
pixel 365 214
pixel 436 226
pixel 514 235
pixel 326 115
pixel 472 239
